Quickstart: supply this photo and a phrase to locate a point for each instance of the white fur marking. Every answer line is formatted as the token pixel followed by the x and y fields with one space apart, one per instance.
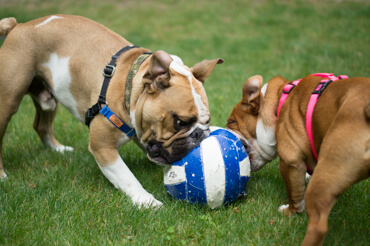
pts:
pixel 266 140
pixel 308 178
pixel 123 179
pixel 177 65
pixel 265 136
pixel 283 207
pixel 63 148
pixel 177 59
pixel 263 90
pixel 59 68
pixel 123 140
pixel 3 177
pixel 48 20
pixel 59 148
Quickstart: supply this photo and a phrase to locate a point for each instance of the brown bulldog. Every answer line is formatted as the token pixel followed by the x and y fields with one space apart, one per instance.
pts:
pixel 339 125
pixel 151 98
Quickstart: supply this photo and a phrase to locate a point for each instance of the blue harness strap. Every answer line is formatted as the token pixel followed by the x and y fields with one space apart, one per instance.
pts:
pixel 117 122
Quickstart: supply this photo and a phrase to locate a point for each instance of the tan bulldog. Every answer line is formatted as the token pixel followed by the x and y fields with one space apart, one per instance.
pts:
pixel 341 133
pixel 61 58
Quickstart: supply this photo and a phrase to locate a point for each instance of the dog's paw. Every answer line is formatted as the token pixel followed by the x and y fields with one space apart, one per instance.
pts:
pixel 62 148
pixel 287 210
pixel 284 208
pixel 147 202
pixel 3 176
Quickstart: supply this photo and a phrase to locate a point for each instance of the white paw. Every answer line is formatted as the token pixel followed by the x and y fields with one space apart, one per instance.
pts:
pixel 308 177
pixel 3 176
pixel 63 148
pixel 283 208
pixel 147 201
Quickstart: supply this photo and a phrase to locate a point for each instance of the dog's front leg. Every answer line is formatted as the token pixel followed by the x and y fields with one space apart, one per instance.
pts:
pixel 122 178
pixel 116 171
pixel 294 178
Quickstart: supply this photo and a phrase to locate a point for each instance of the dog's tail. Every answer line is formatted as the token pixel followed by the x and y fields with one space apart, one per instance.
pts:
pixel 6 25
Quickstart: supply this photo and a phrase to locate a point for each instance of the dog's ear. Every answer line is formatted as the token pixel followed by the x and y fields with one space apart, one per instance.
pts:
pixel 252 93
pixel 203 69
pixel 158 76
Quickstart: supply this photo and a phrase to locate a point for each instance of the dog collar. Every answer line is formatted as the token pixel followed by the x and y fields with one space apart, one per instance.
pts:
pixel 131 74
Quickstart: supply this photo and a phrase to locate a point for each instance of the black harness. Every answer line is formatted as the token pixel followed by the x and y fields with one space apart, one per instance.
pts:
pixel 108 73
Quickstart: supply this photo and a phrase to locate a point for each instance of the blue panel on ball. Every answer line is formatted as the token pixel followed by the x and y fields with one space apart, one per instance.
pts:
pixel 242 152
pixel 225 133
pixel 196 191
pixel 178 190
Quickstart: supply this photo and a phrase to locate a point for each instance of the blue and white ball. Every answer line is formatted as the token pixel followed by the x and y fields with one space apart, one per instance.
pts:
pixel 214 173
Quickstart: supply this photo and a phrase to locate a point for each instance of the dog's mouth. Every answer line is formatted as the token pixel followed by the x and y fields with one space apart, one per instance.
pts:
pixel 159 160
pixel 162 155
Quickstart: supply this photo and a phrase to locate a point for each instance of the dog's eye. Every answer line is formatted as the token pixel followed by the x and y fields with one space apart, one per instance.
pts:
pixel 180 124
pixel 230 122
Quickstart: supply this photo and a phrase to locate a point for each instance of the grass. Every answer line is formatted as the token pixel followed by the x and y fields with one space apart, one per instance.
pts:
pixel 63 199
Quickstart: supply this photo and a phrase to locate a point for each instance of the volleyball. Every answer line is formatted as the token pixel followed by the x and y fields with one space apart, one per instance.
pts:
pixel 214 173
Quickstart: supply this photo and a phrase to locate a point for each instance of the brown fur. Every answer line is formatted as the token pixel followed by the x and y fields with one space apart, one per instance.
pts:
pixel 341 130
pixel 6 25
pixel 159 93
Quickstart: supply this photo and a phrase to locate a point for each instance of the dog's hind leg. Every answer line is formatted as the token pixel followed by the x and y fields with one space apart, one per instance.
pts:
pixel 6 114
pixel 46 108
pixel 16 75
pixel 333 174
pixel 293 174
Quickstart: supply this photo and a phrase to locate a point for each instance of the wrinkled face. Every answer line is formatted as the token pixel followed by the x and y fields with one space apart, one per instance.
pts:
pixel 245 121
pixel 173 113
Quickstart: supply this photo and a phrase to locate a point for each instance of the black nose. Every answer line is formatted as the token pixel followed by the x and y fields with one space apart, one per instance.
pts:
pixel 197 134
pixel 154 149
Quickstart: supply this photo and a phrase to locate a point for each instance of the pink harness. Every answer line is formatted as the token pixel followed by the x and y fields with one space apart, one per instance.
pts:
pixel 328 78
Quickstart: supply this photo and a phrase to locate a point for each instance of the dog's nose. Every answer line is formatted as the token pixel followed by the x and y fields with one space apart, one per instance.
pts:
pixel 197 134
pixel 153 149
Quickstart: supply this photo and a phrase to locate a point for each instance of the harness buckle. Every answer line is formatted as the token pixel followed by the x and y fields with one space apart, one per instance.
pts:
pixel 290 89
pixel 91 112
pixel 319 89
pixel 109 71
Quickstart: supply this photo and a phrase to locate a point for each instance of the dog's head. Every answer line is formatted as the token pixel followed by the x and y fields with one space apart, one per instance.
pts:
pixel 252 120
pixel 171 115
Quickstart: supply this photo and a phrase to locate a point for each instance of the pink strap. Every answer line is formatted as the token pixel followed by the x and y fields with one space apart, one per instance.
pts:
pixel 310 108
pixel 285 93
pixel 329 77
pixel 312 103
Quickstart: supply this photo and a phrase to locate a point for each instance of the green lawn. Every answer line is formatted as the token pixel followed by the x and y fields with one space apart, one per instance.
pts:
pixel 64 199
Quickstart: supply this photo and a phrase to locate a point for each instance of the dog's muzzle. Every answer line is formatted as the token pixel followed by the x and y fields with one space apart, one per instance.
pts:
pixel 178 149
